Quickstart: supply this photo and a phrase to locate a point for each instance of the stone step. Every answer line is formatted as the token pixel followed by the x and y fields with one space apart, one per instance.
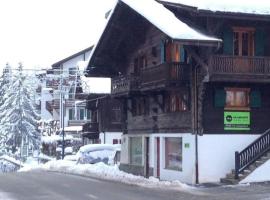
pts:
pixel 231 181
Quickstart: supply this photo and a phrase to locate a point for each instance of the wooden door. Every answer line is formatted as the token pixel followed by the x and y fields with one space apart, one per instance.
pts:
pixel 158 156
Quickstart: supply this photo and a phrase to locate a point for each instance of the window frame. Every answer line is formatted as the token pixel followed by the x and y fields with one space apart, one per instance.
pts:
pixel 251 40
pixel 167 165
pixel 234 91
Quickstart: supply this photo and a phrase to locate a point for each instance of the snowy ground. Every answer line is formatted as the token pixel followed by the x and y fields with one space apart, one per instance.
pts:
pixel 103 171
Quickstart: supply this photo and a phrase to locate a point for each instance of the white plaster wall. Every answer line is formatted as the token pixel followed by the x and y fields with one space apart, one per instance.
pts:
pixel 217 152
pixel 124 150
pixel 45 96
pixel 188 162
pixel 109 136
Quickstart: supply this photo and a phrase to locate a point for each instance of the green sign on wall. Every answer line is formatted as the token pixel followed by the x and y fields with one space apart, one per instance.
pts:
pixel 237 121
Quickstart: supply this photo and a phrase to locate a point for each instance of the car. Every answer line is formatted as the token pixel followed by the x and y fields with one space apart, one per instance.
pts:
pixel 94 153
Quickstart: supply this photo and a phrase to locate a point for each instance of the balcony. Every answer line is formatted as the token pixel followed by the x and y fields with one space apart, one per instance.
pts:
pixel 239 68
pixel 124 85
pixel 164 75
pixel 77 122
pixel 68 103
pixel 91 130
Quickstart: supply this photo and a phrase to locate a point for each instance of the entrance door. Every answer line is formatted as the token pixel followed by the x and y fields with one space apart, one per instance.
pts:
pixel 158 156
pixel 147 157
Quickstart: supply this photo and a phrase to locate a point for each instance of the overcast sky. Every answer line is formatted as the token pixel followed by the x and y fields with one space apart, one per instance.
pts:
pixel 39 33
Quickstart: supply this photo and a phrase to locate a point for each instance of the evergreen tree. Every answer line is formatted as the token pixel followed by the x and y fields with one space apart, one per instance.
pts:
pixel 18 116
pixel 4 85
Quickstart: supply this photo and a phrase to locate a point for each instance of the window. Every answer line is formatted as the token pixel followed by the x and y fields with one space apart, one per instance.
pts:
pixel 81 114
pixel 243 41
pixel 140 106
pixel 71 113
pixel 237 98
pixel 172 52
pixel 116 115
pixel 136 150
pixel 88 114
pixel 72 71
pixel 139 64
pixel 115 141
pixel 176 102
pixel 173 153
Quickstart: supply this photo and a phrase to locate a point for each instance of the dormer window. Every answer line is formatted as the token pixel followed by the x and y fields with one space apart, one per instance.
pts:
pixel 243 41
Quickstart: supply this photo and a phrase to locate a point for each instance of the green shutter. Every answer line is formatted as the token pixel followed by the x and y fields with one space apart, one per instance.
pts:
pixel 259 42
pixel 255 99
pixel 228 41
pixel 182 54
pixel 220 98
pixel 70 114
pixel 162 52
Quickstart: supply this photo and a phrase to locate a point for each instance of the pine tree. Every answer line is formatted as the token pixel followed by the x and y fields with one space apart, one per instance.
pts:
pixel 4 84
pixel 18 118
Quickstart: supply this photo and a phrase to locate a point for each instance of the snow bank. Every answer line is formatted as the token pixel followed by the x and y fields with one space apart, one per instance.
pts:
pixel 54 138
pixel 103 171
pixel 260 174
pixel 11 159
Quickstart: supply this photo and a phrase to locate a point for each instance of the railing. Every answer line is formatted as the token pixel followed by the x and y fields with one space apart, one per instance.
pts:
pixel 77 122
pixel 49 106
pixel 68 103
pixel 165 72
pixel 124 84
pixel 249 65
pixel 90 127
pixel 251 153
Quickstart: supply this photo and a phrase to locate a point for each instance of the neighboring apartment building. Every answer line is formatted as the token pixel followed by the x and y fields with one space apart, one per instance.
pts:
pixel 194 85
pixel 66 73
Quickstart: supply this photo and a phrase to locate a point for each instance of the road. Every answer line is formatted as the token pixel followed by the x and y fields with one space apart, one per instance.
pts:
pixel 50 186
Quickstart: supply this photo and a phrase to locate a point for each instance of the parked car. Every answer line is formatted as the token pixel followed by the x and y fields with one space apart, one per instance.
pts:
pixel 94 153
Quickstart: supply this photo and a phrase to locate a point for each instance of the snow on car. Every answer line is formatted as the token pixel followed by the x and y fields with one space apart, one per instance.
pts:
pixel 94 153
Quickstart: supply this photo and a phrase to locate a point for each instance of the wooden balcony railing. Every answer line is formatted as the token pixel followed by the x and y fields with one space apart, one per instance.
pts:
pixel 164 74
pixel 124 84
pixel 91 127
pixel 239 65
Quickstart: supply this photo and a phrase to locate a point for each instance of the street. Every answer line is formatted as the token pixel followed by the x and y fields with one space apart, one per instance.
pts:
pixel 49 185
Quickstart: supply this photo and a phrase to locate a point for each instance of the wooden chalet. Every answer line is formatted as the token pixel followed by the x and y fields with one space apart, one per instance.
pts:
pixel 194 86
pixel 105 125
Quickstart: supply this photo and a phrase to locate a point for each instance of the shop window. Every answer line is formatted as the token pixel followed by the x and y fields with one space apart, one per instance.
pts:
pixel 237 98
pixel 173 153
pixel 176 102
pixel 243 41
pixel 136 150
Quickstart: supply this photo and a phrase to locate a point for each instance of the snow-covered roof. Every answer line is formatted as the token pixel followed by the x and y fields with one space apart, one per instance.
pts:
pixel 73 128
pixel 239 6
pixel 96 85
pixel 166 21
pixel 163 19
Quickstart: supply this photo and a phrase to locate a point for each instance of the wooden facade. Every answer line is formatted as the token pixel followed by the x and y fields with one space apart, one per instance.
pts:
pixel 147 68
pixel 106 115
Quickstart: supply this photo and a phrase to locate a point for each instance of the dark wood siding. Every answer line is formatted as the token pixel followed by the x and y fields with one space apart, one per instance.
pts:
pixel 213 117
